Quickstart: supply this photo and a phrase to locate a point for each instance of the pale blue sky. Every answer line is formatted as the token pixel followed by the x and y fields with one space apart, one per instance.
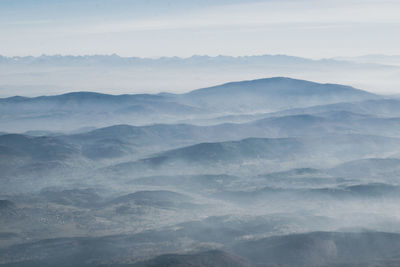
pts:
pixel 153 28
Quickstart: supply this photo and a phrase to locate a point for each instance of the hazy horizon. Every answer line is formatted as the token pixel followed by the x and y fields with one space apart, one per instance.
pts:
pixel 338 57
pixel 155 133
pixel 114 74
pixel 319 29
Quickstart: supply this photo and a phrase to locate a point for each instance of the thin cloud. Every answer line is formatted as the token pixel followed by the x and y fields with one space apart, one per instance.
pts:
pixel 260 15
pixel 250 27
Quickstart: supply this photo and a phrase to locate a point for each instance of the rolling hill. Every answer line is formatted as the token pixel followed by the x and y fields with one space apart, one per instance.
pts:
pixel 71 111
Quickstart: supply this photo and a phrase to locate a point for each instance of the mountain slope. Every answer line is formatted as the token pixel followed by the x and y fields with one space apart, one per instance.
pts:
pixel 323 249
pixel 214 258
pixel 273 94
pixel 232 151
pixel 82 109
pixel 375 107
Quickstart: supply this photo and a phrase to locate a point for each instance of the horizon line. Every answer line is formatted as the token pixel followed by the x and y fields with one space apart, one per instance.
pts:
pixel 181 93
pixel 193 56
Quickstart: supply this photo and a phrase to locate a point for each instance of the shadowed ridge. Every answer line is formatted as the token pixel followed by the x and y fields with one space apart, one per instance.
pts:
pixel 216 258
pixel 289 83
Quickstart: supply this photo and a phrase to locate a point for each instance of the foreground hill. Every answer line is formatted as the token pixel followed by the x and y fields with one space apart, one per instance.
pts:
pixel 309 249
pixel 215 258
pixel 25 155
pixel 116 141
pixel 30 156
pixel 324 249
pixel 265 153
pixel 334 137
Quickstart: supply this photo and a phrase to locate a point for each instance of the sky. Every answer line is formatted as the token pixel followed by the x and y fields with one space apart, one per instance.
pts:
pixel 155 28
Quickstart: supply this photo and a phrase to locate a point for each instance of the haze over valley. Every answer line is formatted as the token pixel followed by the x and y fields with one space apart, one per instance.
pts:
pixel 199 133
pixel 274 171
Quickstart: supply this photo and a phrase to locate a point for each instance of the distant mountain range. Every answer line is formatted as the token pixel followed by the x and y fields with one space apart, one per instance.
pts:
pixel 74 110
pixel 114 59
pixel 393 60
pixel 49 75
